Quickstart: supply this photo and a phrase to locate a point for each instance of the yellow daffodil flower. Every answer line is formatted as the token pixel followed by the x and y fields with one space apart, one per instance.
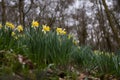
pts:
pixel 60 31
pixel 35 24
pixel 63 32
pixel 20 28
pixel 10 25
pixel 45 28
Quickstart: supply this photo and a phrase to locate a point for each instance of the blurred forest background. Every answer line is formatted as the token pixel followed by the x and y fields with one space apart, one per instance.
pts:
pixel 92 22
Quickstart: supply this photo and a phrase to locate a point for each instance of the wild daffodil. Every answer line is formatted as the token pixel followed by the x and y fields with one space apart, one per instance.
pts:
pixel 35 24
pixel 45 28
pixel 10 25
pixel 63 32
pixel 20 28
pixel 60 31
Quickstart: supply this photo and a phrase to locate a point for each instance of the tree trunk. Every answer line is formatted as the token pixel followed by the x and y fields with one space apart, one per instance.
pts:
pixel 114 30
pixel 103 28
pixel 21 12
pixel 3 13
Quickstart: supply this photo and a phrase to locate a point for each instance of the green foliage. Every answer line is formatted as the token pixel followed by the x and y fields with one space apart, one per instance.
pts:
pixel 50 47
pixel 99 62
pixel 46 48
pixel 6 40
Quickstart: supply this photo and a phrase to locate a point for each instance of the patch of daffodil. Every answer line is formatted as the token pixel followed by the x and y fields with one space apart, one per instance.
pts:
pixel 20 28
pixel 60 31
pixel 45 28
pixel 10 25
pixel 35 24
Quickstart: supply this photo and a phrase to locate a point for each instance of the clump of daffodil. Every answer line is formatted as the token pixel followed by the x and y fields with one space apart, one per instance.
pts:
pixel 0 26
pixel 10 25
pixel 35 24
pixel 20 28
pixel 45 28
pixel 60 31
